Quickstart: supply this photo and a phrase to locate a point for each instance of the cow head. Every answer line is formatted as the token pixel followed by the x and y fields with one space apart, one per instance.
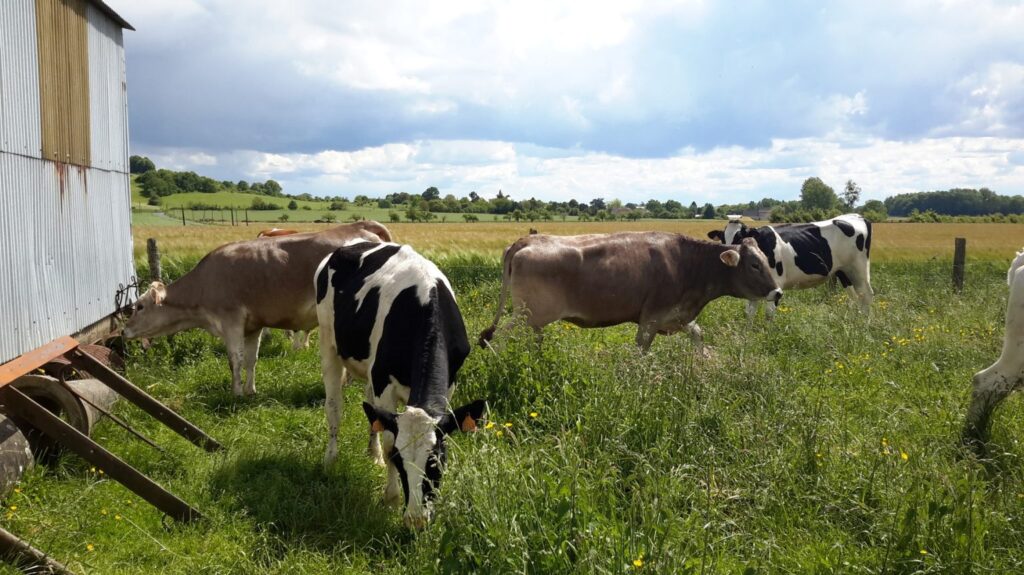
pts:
pixel 734 232
pixel 414 445
pixel 751 277
pixel 151 317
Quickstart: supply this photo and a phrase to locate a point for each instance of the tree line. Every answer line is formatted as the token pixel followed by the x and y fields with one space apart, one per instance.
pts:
pixel 818 201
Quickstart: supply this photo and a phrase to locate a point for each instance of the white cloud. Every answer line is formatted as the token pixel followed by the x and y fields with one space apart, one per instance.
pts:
pixel 721 175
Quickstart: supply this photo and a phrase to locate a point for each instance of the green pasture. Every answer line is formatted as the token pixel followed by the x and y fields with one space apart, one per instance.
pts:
pixel 819 443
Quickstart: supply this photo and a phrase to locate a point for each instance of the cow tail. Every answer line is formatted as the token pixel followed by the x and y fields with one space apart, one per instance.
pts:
pixel 506 280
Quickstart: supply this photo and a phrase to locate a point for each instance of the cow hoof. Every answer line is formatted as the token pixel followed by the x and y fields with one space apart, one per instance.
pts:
pixel 704 352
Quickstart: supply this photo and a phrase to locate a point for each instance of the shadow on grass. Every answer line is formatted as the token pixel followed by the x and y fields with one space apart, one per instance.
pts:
pixel 218 398
pixel 295 499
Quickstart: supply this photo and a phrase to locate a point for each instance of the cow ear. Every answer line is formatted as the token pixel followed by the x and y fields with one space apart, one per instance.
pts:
pixel 717 235
pixel 159 292
pixel 730 258
pixel 464 418
pixel 380 420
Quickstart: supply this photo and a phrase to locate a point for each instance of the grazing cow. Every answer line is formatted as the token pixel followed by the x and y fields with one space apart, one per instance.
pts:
pixel 389 315
pixel 240 288
pixel 660 281
pixel 275 232
pixel 805 255
pixel 994 383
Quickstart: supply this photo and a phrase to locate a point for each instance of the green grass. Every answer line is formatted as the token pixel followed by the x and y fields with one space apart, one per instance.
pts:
pixel 781 454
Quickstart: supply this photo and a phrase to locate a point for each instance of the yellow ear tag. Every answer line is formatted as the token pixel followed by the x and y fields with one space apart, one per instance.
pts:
pixel 468 424
pixel 376 426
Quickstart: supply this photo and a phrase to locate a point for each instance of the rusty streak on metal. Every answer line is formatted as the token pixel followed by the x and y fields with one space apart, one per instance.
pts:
pixel 13 401
pixel 85 362
pixel 34 359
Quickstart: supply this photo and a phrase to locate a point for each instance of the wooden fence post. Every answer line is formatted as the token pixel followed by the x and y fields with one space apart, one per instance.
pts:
pixel 155 273
pixel 182 216
pixel 959 257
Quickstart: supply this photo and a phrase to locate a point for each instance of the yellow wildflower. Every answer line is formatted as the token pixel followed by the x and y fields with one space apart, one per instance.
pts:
pixel 534 414
pixel 103 511
pixel 17 490
pixel 924 552
pixel 500 433
pixel 508 424
pixel 489 425
pixel 903 455
pixel 117 517
pixel 89 547
pixel 14 507
pixel 639 561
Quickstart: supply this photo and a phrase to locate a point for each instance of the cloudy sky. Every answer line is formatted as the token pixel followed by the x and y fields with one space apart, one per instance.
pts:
pixel 689 100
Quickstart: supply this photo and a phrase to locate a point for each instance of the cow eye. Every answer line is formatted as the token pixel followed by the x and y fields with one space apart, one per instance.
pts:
pixel 138 307
pixel 756 266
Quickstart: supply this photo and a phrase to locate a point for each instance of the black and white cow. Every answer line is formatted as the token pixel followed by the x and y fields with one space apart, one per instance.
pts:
pixel 994 383
pixel 805 255
pixel 389 315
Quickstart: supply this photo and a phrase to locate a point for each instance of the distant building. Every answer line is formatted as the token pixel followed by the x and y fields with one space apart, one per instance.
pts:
pixel 758 213
pixel 64 184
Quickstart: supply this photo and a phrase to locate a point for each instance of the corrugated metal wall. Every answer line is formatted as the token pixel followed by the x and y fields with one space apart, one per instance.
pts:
pixel 108 96
pixel 63 49
pixel 67 229
pixel 19 79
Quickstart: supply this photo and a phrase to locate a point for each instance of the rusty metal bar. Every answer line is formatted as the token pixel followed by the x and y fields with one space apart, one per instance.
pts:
pixel 36 358
pixel 24 555
pixel 146 402
pixel 13 401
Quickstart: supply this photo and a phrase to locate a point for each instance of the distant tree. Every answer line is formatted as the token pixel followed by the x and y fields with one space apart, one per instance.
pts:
pixel 470 218
pixel 154 201
pixel 851 194
pixel 140 164
pixel 336 206
pixel 272 188
pixel 431 193
pixel 874 211
pixel 473 196
pixel 518 215
pixel 329 218
pixel 242 186
pixel 383 204
pixel 293 205
pixel 709 212
pixel 815 194
pixel 283 218
pixel 395 217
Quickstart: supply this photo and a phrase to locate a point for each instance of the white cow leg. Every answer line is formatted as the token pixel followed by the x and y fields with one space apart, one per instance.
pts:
pixel 334 378
pixel 373 447
pixel 252 352
pixel 752 305
pixel 300 340
pixel 234 342
pixel 991 386
pixel 393 488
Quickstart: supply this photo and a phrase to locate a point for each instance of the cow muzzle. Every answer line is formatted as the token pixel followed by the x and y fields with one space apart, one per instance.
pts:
pixel 775 295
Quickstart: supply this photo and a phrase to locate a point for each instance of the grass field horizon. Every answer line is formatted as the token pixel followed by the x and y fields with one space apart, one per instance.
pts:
pixel 821 442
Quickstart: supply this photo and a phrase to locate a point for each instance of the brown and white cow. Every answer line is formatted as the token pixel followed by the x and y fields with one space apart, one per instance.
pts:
pixel 275 232
pixel 660 281
pixel 240 288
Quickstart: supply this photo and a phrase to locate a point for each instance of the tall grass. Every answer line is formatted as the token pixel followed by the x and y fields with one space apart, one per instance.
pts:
pixel 821 442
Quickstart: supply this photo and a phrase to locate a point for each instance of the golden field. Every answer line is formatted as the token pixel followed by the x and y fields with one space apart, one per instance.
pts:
pixel 892 241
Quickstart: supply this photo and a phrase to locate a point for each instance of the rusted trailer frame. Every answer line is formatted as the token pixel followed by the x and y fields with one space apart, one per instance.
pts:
pixel 14 403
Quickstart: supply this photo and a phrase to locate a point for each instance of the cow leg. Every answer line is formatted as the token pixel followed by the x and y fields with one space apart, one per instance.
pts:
pixel 752 305
pixel 991 386
pixel 769 310
pixel 393 488
pixel 645 333
pixel 300 340
pixel 334 379
pixel 373 448
pixel 252 352
pixel 234 342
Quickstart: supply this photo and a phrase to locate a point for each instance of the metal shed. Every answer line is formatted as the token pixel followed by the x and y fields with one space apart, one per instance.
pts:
pixel 65 195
